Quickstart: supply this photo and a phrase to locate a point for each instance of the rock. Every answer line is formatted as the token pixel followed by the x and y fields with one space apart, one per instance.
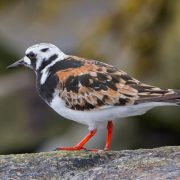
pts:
pixel 159 163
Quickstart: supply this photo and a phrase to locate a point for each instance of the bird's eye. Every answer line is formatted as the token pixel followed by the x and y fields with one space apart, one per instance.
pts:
pixel 31 55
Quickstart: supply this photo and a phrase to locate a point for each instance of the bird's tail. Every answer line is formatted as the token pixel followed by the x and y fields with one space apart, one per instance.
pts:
pixel 174 97
pixel 171 96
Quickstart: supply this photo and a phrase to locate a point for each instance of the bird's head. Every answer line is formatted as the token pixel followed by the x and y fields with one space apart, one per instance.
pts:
pixel 39 56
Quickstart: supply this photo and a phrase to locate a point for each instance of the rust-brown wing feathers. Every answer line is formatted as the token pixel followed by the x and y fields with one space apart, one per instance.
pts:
pixel 95 85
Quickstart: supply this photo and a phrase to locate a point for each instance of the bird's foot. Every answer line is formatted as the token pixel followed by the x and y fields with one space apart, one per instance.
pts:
pixel 74 148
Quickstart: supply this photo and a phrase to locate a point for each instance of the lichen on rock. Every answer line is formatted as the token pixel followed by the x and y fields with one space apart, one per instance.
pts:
pixel 159 163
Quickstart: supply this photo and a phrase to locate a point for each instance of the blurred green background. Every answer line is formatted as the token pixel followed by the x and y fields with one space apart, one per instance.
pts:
pixel 142 37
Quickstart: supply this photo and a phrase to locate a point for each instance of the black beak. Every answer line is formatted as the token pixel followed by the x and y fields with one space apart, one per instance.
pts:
pixel 16 64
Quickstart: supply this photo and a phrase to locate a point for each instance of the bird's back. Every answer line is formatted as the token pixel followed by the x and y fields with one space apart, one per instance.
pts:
pixel 86 85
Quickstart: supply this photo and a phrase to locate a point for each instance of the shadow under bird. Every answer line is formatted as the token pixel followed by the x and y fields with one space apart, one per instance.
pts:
pixel 90 92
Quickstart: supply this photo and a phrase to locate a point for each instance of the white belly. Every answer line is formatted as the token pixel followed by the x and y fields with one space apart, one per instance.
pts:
pixel 95 118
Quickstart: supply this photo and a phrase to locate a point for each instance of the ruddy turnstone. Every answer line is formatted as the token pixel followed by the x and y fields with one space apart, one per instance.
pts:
pixel 90 92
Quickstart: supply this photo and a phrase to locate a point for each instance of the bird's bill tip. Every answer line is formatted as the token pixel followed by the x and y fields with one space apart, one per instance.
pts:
pixel 16 64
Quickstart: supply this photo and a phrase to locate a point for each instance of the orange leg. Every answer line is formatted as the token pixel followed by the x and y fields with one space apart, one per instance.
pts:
pixel 109 135
pixel 80 145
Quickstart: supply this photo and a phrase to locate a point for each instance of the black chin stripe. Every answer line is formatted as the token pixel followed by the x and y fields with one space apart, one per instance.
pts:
pixel 48 61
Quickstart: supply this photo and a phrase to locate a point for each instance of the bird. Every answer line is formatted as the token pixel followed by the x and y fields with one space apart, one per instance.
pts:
pixel 90 92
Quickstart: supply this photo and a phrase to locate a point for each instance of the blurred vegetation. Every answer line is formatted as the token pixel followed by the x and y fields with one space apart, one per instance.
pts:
pixel 136 25
pixel 143 37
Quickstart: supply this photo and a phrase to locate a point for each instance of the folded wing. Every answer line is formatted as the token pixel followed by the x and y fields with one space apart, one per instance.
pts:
pixel 96 85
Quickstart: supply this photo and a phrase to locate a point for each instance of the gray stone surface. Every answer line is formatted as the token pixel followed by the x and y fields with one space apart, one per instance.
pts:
pixel 159 163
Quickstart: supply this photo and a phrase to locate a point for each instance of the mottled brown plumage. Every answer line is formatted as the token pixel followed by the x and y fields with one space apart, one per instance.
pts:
pixel 94 85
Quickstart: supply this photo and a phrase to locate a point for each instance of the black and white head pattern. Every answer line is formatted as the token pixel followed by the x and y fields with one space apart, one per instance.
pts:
pixel 40 56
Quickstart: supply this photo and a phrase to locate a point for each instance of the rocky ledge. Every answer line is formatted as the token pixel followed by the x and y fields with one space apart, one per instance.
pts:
pixel 158 163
